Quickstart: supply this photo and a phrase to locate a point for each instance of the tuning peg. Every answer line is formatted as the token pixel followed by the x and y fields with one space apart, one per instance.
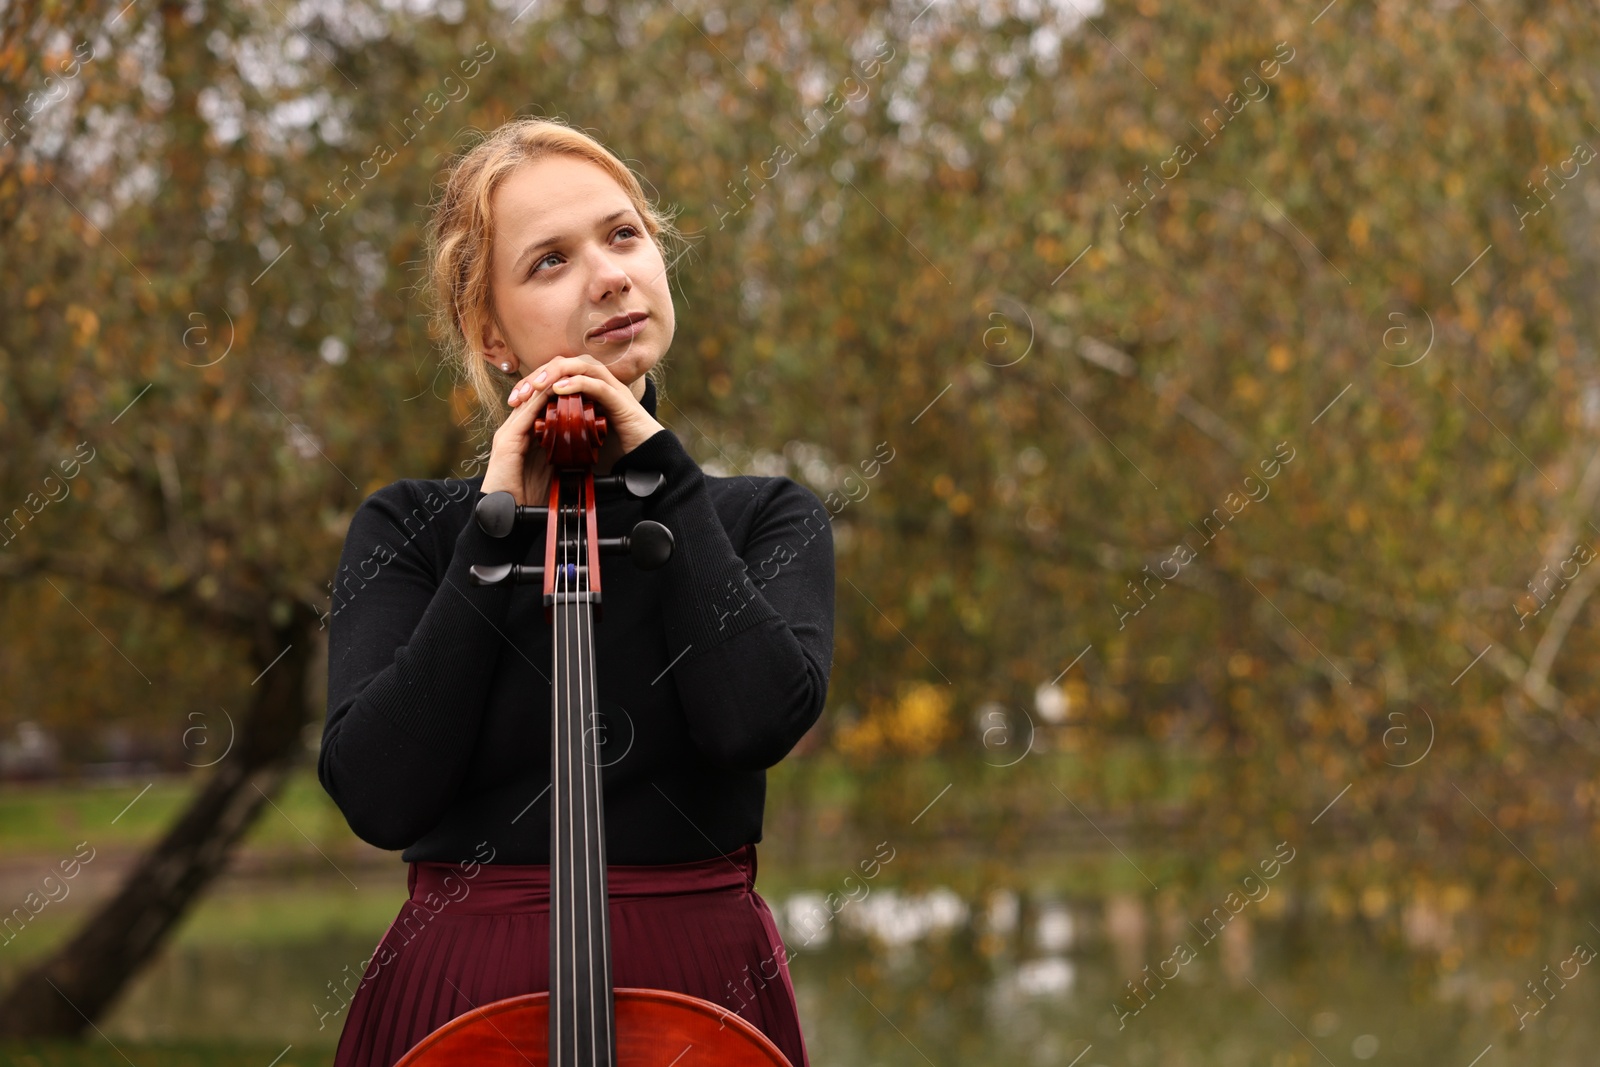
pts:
pixel 650 545
pixel 498 513
pixel 634 483
pixel 504 573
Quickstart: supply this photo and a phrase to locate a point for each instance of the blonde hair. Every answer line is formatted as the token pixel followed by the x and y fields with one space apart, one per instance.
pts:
pixel 460 237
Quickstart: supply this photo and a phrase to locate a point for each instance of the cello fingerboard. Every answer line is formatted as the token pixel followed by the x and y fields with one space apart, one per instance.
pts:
pixel 582 1013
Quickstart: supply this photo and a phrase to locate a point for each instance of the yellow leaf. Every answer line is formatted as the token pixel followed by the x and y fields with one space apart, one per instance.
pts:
pixel 1357 231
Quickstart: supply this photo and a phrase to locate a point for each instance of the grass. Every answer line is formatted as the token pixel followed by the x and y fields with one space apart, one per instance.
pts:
pixel 52 818
pixel 304 898
pixel 303 831
pixel 99 1053
pixel 295 913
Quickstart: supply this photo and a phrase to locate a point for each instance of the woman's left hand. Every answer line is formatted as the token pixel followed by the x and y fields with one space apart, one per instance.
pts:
pixel 625 416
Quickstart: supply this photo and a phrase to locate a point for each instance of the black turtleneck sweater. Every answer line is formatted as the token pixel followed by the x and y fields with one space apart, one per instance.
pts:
pixel 709 669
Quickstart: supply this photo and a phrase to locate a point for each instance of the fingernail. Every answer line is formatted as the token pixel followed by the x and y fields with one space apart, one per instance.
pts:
pixel 538 379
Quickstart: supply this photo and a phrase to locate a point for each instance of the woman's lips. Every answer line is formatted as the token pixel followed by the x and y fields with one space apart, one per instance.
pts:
pixel 621 333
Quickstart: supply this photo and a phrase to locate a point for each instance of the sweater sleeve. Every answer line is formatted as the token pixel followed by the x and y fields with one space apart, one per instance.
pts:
pixel 752 628
pixel 411 656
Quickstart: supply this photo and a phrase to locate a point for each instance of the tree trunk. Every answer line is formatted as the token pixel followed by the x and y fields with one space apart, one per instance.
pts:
pixel 63 995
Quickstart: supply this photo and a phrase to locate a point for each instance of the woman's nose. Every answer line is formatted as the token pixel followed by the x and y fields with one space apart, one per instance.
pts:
pixel 609 277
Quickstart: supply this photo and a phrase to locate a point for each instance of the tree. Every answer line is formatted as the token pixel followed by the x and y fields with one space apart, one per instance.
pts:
pixel 1030 302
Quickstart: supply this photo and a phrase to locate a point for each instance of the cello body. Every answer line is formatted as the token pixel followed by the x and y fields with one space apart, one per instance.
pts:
pixel 583 1021
pixel 654 1028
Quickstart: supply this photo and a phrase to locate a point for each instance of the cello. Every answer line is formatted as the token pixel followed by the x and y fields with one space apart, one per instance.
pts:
pixel 582 1021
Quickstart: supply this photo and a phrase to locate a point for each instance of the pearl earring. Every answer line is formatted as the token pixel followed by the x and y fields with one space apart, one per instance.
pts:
pixel 506 367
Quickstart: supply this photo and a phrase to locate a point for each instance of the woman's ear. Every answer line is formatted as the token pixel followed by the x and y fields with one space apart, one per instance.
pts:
pixel 494 347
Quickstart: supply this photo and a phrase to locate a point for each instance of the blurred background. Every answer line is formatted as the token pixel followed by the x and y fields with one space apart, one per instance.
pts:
pixel 1206 399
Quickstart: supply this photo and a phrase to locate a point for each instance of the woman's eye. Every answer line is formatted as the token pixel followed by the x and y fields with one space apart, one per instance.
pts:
pixel 623 232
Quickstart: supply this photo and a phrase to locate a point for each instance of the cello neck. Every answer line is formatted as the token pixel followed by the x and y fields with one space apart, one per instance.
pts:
pixel 582 1013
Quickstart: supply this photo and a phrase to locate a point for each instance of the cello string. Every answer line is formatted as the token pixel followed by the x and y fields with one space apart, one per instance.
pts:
pixel 569 928
pixel 558 898
pixel 603 922
pixel 584 608
pixel 594 842
pixel 600 943
pixel 574 743
pixel 582 900
pixel 581 795
pixel 577 700
pixel 574 825
pixel 580 528
pixel 596 904
pixel 557 789
pixel 595 884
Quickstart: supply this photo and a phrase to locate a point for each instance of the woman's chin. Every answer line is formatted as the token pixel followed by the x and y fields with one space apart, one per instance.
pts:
pixel 627 363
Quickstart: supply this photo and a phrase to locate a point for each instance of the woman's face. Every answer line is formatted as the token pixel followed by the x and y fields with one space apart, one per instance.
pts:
pixel 572 257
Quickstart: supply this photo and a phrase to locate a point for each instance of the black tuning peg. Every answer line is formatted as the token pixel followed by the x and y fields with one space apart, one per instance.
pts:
pixel 635 483
pixel 498 513
pixel 650 544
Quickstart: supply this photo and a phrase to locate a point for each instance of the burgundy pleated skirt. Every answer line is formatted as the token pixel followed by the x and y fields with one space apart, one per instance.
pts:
pixel 463 940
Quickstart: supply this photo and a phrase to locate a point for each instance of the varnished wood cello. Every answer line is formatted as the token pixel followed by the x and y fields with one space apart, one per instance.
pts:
pixel 582 1021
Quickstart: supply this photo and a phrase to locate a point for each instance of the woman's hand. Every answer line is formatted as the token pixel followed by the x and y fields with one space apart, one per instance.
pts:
pixel 525 472
pixel 514 467
pixel 626 418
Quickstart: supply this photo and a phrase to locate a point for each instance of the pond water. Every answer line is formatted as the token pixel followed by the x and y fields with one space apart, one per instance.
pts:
pixel 931 963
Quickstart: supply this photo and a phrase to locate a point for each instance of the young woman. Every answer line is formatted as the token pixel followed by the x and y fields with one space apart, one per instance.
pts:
pixel 550 278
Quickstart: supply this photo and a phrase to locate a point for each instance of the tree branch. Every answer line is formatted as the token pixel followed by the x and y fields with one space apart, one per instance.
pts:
pixel 235 613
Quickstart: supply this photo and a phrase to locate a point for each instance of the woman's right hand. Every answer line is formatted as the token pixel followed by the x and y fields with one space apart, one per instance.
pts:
pixel 514 466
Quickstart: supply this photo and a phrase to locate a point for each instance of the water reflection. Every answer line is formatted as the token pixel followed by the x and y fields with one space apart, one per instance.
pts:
pixel 1026 974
